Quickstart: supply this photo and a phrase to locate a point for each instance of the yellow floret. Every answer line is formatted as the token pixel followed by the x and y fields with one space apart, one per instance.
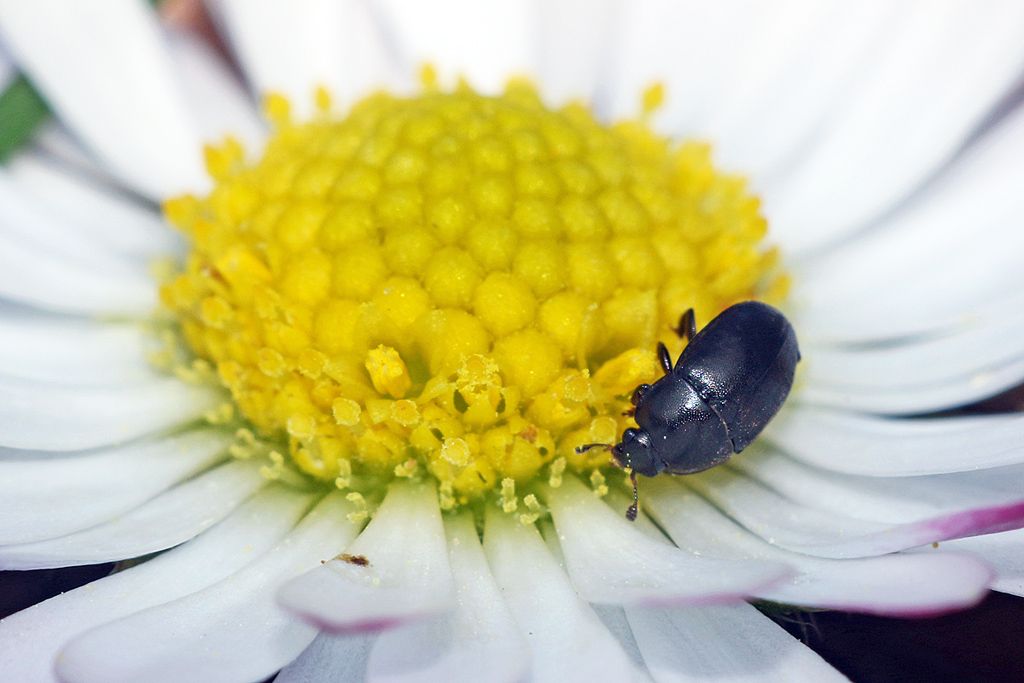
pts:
pixel 387 371
pixel 504 303
pixel 453 285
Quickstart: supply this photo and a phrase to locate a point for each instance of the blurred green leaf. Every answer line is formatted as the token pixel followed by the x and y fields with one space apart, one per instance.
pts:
pixel 21 112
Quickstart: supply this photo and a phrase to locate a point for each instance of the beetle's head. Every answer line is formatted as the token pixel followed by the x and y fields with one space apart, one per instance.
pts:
pixel 635 452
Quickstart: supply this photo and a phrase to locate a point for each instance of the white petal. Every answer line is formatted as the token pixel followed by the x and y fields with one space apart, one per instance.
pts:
pixel 691 47
pixel 967 350
pixel 817 83
pixel 612 616
pixel 8 72
pixel 33 275
pixel 922 583
pixel 723 643
pixel 619 501
pixel 293 48
pixel 97 212
pixel 790 75
pixel 881 381
pixel 330 659
pixel 103 66
pixel 220 105
pixel 609 561
pixel 947 261
pixel 947 65
pixel 71 350
pixel 944 393
pixel 230 631
pixel 163 522
pixel 30 639
pixel 886 447
pixel 566 638
pixel 908 584
pixel 477 642
pixel 575 37
pixel 1004 552
pixel 63 418
pixel 816 532
pixel 97 485
pixel 54 140
pixel 614 619
pixel 899 499
pixel 496 47
pixel 547 531
pixel 407 576
pixel 35 223
pixel 760 81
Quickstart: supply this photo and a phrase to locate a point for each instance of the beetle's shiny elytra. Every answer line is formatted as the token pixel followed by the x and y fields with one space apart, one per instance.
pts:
pixel 726 385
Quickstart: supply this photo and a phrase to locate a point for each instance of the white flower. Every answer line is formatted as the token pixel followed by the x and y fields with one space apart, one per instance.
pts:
pixel 890 174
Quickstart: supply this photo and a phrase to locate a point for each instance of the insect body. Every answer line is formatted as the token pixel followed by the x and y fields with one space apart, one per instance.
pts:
pixel 726 385
pixel 359 560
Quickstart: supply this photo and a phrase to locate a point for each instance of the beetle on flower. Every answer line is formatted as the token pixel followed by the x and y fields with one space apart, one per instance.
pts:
pixel 726 386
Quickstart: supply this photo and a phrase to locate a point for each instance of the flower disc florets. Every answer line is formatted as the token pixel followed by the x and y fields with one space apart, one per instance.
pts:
pixel 471 285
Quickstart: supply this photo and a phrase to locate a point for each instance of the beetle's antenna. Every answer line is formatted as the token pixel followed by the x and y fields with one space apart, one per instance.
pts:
pixel 631 512
pixel 587 446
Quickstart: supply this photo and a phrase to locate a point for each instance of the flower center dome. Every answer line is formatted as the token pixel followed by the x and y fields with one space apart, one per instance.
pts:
pixel 453 284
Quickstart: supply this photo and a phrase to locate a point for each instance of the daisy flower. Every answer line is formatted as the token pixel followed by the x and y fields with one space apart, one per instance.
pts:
pixel 327 424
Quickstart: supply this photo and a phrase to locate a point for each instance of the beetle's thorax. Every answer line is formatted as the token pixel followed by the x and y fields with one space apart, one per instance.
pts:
pixel 681 431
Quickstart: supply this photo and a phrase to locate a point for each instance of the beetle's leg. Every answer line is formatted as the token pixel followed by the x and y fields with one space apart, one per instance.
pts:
pixel 664 359
pixel 629 413
pixel 631 512
pixel 687 326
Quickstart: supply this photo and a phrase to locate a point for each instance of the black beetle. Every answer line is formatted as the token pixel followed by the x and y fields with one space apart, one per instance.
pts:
pixel 727 384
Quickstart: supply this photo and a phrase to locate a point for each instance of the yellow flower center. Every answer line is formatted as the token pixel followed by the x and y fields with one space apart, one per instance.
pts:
pixel 455 284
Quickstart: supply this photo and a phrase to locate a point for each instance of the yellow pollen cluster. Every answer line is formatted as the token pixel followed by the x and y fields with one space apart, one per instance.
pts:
pixel 456 284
